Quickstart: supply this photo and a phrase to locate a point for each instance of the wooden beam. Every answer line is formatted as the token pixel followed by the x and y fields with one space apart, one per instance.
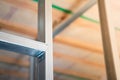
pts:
pixel 10 60
pixel 78 44
pixel 31 5
pixel 14 73
pixel 59 70
pixel 24 4
pixel 78 60
pixel 25 63
pixel 109 43
pixel 77 74
pixel 4 24
pixel 30 31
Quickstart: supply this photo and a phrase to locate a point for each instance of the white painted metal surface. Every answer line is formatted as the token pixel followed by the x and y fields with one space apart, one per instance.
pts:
pixel 49 40
pixel 44 69
pixel 5 37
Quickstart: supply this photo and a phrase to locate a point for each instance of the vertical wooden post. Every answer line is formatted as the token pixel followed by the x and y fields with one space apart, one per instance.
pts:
pixel 109 41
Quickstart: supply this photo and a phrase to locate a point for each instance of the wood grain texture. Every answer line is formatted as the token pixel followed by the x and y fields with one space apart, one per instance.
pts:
pixel 25 63
pixel 18 28
pixel 86 28
pixel 24 4
pixel 64 40
pixel 13 61
pixel 78 74
pixel 109 41
pixel 78 60
pixel 14 73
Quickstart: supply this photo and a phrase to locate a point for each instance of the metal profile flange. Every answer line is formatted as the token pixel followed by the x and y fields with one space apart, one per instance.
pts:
pixel 22 45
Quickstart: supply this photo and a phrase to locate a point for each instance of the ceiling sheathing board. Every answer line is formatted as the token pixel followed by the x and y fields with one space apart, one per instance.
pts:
pixel 59 76
pixel 79 53
pixel 12 12
pixel 96 28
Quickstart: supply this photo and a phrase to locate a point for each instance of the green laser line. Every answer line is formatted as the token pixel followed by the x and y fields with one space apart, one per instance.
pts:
pixel 83 17
pixel 70 12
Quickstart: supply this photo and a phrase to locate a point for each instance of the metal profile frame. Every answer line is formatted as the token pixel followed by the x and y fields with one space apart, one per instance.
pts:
pixel 42 63
pixel 44 69
pixel 22 45
pixel 45 36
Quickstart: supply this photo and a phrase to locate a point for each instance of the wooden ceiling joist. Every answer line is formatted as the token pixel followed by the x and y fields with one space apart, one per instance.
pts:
pixel 58 70
pixel 74 73
pixel 14 73
pixel 25 63
pixel 30 31
pixel 24 4
pixel 4 24
pixel 78 60
pixel 10 60
pixel 31 5
pixel 78 44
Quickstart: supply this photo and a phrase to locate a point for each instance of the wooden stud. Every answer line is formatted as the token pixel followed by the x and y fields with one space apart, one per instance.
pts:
pixel 109 43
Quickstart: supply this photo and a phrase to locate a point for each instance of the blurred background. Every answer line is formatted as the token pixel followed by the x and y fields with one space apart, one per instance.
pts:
pixel 78 51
